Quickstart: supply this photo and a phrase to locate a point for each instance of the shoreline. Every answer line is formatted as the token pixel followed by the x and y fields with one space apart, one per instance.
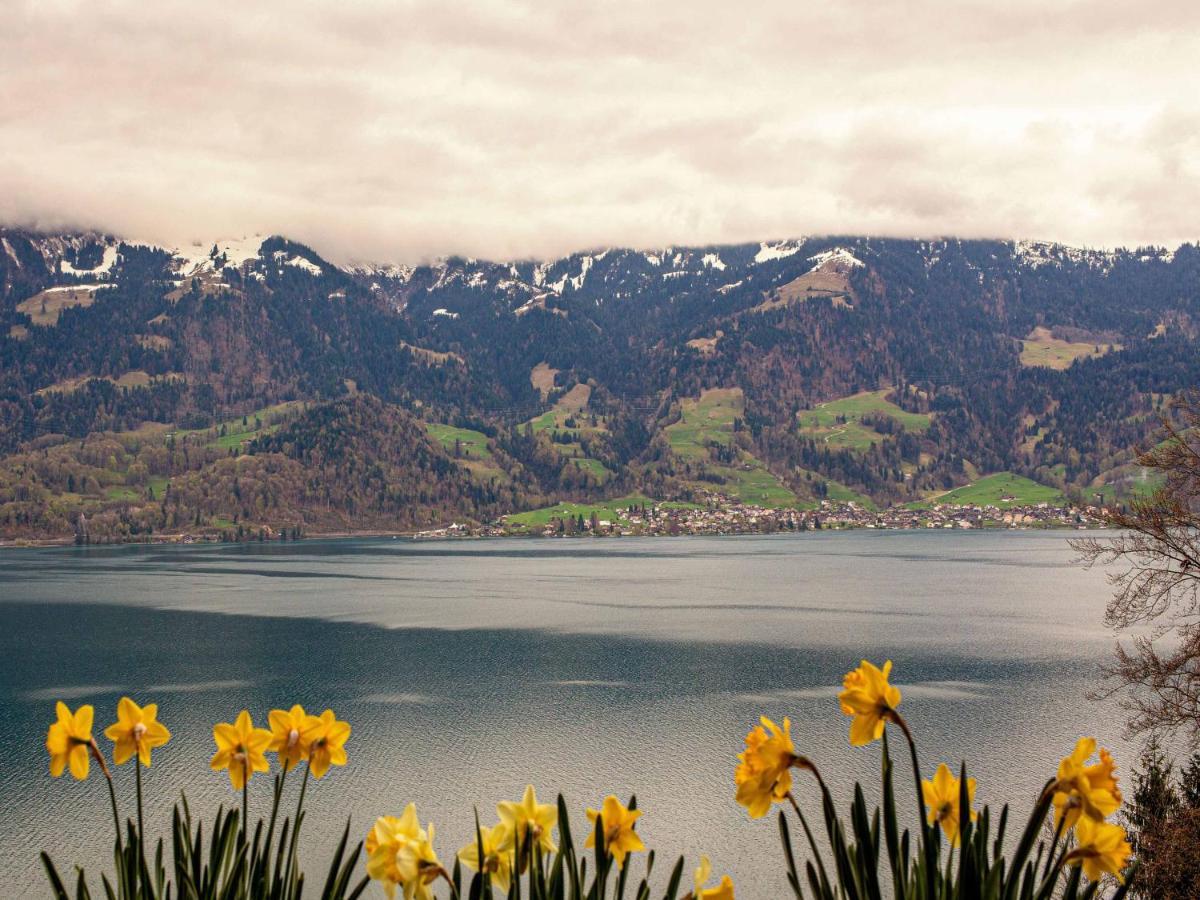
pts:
pixel 186 539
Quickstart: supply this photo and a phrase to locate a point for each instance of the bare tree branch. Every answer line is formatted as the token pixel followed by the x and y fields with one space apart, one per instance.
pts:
pixel 1156 582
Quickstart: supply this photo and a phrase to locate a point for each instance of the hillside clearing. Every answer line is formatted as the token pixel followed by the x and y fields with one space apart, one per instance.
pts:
pixel 241 430
pixel 131 379
pixel 839 422
pixel 829 279
pixel 541 377
pixel 705 421
pixel 1003 489
pixel 568 406
pixel 709 420
pixel 1041 348
pixel 469 448
pixel 46 307
pixel 432 357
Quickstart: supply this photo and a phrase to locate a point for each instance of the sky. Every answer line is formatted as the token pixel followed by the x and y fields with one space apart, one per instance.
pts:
pixel 398 131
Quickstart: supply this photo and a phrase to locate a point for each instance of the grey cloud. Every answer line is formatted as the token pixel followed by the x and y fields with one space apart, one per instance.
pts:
pixel 397 131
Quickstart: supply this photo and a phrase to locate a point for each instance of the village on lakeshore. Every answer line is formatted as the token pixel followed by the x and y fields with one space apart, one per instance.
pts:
pixel 720 515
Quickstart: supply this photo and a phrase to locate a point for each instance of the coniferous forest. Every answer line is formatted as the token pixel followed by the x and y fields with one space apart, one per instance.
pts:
pixel 146 392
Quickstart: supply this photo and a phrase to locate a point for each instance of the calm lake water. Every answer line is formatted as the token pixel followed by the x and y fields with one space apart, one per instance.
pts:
pixel 468 669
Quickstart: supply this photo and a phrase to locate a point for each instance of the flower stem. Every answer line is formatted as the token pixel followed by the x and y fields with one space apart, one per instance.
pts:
pixel 141 831
pixel 274 813
pixel 446 876
pixel 894 716
pixel 1058 831
pixel 112 793
pixel 927 834
pixel 246 821
pixel 296 824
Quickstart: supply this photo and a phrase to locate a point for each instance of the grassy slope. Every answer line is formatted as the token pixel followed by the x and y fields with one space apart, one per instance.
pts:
pixel 237 434
pixel 1041 348
pixel 989 491
pixel 708 420
pixel 839 493
pixel 573 404
pixel 823 421
pixel 474 448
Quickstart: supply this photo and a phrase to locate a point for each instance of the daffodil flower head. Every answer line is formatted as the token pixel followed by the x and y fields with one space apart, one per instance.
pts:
pixel 137 731
pixel 241 749
pixel 287 735
pixel 723 891
pixel 326 737
pixel 497 860
pixel 618 822
pixel 763 775
pixel 69 740
pixel 418 866
pixel 870 699
pixel 528 823
pixel 1085 790
pixel 386 839
pixel 942 796
pixel 1101 848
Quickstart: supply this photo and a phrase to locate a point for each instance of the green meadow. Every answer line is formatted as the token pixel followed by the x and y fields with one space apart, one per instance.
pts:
pixel 1002 489
pixel 839 422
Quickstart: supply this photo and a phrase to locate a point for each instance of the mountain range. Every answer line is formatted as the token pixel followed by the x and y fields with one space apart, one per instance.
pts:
pixel 239 385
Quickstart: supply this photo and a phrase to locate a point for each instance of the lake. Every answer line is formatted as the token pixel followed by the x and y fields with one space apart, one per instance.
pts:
pixel 468 669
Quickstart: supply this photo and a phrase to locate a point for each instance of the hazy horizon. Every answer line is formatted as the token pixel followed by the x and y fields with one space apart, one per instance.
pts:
pixel 505 130
pixel 204 245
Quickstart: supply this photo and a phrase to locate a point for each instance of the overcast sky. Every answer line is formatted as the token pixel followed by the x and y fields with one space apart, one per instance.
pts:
pixel 395 131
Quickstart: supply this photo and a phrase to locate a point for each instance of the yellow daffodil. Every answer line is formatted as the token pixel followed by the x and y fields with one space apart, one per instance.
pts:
pixel 528 821
pixel 763 775
pixel 240 749
pixel 70 739
pixel 326 736
pixel 942 794
pixel 723 891
pixel 1083 790
pixel 383 844
pixel 619 837
pixel 400 853
pixel 868 697
pixel 1100 847
pixel 136 731
pixel 287 735
pixel 419 866
pixel 497 861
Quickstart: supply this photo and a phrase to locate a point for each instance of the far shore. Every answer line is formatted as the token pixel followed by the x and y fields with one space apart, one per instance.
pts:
pixel 422 536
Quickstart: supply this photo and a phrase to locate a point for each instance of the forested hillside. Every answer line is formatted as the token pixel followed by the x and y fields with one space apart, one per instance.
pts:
pixel 254 384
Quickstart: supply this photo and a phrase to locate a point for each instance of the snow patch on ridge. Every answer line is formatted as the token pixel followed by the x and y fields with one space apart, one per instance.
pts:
pixel 199 256
pixel 836 255
pixel 104 268
pixel 12 254
pixel 713 261
pixel 767 252
pixel 585 266
pixel 69 288
pixel 1036 254
pixel 308 266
